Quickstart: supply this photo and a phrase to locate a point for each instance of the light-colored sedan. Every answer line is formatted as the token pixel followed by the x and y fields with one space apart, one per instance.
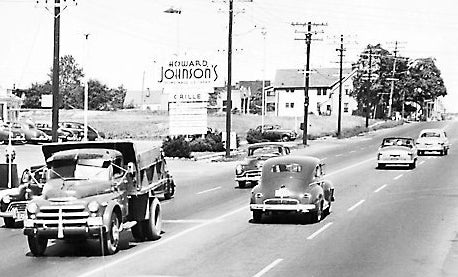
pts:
pixel 433 140
pixel 397 151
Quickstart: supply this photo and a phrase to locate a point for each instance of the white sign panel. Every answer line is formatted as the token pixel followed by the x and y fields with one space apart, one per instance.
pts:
pixel 188 72
pixel 46 100
pixel 187 118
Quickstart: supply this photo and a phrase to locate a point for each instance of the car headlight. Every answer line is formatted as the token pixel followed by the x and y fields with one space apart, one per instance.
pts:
pixel 305 195
pixel 258 195
pixel 32 208
pixel 239 169
pixel 6 199
pixel 93 206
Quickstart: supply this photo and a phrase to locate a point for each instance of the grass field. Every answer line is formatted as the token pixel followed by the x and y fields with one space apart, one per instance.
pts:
pixel 143 124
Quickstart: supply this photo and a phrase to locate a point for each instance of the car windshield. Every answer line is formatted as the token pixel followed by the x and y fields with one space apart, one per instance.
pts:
pixel 430 135
pixel 397 142
pixel 83 169
pixel 266 150
pixel 293 168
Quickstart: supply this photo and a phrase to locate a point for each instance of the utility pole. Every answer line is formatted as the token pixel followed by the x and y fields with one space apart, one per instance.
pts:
pixel 308 41
pixel 55 72
pixel 339 117
pixel 390 102
pixel 86 88
pixel 368 87
pixel 229 80
pixel 263 105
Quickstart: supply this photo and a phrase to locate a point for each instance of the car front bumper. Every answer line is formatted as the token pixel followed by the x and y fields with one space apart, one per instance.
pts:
pixel 304 208
pixel 408 162
pixel 430 147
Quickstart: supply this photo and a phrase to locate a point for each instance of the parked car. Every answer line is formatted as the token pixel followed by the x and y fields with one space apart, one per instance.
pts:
pixel 433 140
pixel 77 129
pixel 397 151
pixel 62 135
pixel 249 170
pixel 31 132
pixel 294 184
pixel 276 133
pixel 14 202
pixel 17 136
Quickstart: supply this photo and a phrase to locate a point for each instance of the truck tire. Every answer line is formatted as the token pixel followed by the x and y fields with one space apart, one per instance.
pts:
pixel 9 222
pixel 110 239
pixel 137 231
pixel 154 223
pixel 37 245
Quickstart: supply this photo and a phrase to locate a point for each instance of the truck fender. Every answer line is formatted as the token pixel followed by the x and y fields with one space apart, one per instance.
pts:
pixel 112 206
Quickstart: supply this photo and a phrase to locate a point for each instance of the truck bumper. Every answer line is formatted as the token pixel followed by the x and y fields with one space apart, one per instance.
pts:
pixel 85 232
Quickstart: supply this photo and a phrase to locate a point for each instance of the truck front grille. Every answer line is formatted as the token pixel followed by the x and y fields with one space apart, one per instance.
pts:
pixel 67 215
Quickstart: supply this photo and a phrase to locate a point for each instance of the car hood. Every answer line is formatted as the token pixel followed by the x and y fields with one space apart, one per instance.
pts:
pixel 59 189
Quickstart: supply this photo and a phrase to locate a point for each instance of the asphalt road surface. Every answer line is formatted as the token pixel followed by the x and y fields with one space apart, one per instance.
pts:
pixel 391 222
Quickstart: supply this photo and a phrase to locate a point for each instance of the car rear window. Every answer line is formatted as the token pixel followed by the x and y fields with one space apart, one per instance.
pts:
pixel 430 135
pixel 397 142
pixel 295 168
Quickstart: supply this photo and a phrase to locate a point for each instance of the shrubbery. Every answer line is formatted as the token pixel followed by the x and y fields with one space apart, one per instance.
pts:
pixel 180 147
pixel 176 147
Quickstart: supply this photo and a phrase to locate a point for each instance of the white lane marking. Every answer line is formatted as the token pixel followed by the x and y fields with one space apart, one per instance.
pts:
pixel 186 220
pixel 422 162
pixel 397 177
pixel 162 241
pixel 267 268
pixel 352 151
pixel 208 190
pixel 351 166
pixel 380 188
pixel 338 155
pixel 356 205
pixel 312 236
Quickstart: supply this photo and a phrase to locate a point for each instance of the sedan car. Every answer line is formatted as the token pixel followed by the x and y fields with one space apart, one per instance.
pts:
pixel 78 129
pixel 249 170
pixel 397 151
pixel 16 136
pixel 433 140
pixel 276 133
pixel 62 135
pixel 31 132
pixel 294 184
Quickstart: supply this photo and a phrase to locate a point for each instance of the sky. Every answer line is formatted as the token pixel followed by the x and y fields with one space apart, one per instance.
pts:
pixel 129 40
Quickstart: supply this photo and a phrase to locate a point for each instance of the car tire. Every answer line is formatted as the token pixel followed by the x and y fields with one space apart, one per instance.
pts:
pixel 257 216
pixel 413 165
pixel 153 225
pixel 285 138
pixel 318 214
pixel 9 222
pixel 381 166
pixel 446 151
pixel 327 211
pixel 37 245
pixel 242 184
pixel 110 239
pixel 420 153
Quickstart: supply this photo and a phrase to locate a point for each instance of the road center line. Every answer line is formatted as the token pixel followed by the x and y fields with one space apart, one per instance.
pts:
pixel 352 151
pixel 208 190
pixel 397 177
pixel 422 162
pixel 267 268
pixel 338 155
pixel 312 236
pixel 351 166
pixel 163 241
pixel 356 205
pixel 380 188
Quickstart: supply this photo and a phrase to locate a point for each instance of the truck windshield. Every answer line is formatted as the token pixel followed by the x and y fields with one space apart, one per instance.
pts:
pixel 82 169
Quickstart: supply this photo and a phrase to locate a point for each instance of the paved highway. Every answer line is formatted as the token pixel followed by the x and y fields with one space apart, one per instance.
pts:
pixel 392 222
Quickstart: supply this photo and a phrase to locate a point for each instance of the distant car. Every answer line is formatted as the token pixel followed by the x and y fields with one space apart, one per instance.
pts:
pixel 62 135
pixel 17 136
pixel 397 151
pixel 31 132
pixel 14 202
pixel 77 129
pixel 433 140
pixel 293 184
pixel 249 170
pixel 276 133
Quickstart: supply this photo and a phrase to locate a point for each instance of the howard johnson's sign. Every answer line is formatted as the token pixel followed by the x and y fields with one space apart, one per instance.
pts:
pixel 198 71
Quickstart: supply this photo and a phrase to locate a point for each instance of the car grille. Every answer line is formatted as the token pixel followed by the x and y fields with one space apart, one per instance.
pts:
pixel 20 206
pixel 253 173
pixel 281 201
pixel 67 215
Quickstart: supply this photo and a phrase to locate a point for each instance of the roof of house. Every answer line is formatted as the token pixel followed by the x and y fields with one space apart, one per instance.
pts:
pixel 320 77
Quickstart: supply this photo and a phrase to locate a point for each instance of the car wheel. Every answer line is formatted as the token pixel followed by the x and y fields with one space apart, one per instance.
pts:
pixel 242 184
pixel 110 240
pixel 257 216
pixel 381 166
pixel 316 215
pixel 446 151
pixel 153 225
pixel 285 138
pixel 37 245
pixel 327 211
pixel 419 153
pixel 413 165
pixel 441 152
pixel 9 222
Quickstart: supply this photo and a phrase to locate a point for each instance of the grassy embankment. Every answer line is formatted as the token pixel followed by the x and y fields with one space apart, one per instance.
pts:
pixel 154 125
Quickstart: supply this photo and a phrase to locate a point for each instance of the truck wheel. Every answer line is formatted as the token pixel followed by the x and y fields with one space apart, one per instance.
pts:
pixel 9 222
pixel 257 216
pixel 110 239
pixel 154 223
pixel 242 184
pixel 137 231
pixel 37 245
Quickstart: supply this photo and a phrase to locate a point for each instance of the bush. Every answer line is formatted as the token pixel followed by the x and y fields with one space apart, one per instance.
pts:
pixel 200 145
pixel 176 147
pixel 254 136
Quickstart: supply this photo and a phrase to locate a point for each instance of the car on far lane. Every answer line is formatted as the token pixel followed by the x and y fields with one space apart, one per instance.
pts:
pixel 433 140
pixel 31 132
pixel 17 136
pixel 78 129
pixel 249 170
pixel 292 184
pixel 397 151
pixel 62 135
pixel 276 133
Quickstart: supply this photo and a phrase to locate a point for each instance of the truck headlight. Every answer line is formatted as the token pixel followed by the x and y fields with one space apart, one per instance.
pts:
pixel 6 199
pixel 93 206
pixel 32 208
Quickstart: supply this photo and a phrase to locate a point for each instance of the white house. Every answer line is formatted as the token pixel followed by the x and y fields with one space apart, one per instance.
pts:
pixel 286 96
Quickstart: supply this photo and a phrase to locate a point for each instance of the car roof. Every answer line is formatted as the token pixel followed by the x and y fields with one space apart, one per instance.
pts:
pixel 431 131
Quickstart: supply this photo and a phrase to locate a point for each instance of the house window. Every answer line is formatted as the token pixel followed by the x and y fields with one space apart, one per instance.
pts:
pixel 324 91
pixel 287 105
pixel 270 107
pixel 292 105
pixel 347 91
pixel 225 105
pixel 270 93
pixel 345 107
pixel 318 91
